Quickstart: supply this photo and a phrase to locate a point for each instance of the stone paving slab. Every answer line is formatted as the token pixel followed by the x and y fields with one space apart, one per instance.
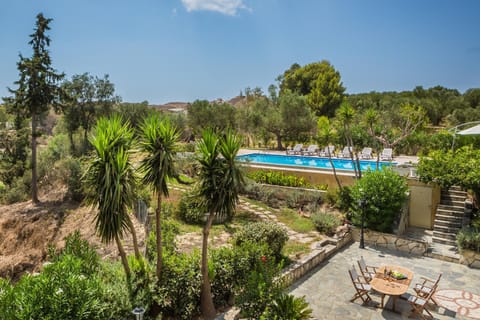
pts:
pixel 328 288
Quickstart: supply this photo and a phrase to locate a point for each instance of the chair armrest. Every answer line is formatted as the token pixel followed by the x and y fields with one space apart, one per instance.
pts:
pixel 372 267
pixel 425 280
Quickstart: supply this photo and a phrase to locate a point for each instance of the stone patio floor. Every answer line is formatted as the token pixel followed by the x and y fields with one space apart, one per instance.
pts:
pixel 328 288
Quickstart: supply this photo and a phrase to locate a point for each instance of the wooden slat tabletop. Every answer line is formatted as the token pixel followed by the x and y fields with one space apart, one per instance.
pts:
pixel 391 286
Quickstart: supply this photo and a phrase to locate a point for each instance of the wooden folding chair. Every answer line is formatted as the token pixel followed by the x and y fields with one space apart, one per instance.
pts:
pixel 426 287
pixel 361 286
pixel 368 272
pixel 419 305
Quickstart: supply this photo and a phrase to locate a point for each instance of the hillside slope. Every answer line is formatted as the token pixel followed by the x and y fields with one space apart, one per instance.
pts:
pixel 27 230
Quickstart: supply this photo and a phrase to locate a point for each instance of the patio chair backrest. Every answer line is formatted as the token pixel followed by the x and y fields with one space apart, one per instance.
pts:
pixel 362 264
pixel 353 274
pixel 437 281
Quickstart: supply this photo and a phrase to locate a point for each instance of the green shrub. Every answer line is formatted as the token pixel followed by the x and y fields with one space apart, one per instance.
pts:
pixel 344 198
pixel 384 193
pixel 170 230
pixel 190 209
pixel 61 291
pixel 181 282
pixel 331 197
pixel 269 233
pixel 262 286
pixel 73 179
pixel 299 199
pixel 326 222
pixel 288 307
pixel 19 190
pixel 57 148
pixel 469 238
pixel 74 285
pixel 277 178
pixel 79 248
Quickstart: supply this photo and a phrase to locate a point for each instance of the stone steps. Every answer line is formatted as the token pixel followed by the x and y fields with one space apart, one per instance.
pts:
pixel 439 240
pixel 449 216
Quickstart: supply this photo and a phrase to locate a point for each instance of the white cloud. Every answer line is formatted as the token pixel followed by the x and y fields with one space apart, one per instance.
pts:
pixel 228 7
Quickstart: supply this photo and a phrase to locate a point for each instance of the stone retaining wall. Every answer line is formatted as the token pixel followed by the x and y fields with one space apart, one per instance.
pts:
pixel 321 251
pixel 391 241
pixel 470 258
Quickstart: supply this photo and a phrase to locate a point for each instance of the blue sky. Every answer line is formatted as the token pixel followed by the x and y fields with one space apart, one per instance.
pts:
pixel 182 50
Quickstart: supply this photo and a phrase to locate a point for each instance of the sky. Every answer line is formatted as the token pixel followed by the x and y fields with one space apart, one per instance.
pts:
pixel 182 50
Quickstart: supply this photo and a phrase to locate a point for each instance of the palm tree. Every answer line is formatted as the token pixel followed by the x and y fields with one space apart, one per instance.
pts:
pixel 326 135
pixel 345 115
pixel 219 185
pixel 110 182
pixel 159 143
pixel 371 119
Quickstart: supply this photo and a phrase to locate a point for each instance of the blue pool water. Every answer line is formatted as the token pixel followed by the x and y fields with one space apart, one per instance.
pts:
pixel 310 162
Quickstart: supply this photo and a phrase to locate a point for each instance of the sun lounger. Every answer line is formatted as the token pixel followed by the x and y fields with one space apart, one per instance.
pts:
pixel 387 154
pixel 346 153
pixel 296 150
pixel 311 150
pixel 366 153
pixel 324 152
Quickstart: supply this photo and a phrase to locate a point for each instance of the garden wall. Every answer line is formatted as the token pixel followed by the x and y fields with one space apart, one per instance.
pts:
pixel 321 251
pixel 391 241
pixel 470 258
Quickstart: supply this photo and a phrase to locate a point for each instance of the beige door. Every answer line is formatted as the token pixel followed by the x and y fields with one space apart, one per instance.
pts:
pixel 421 204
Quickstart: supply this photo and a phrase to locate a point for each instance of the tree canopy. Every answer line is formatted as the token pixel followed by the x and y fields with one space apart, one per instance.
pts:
pixel 319 82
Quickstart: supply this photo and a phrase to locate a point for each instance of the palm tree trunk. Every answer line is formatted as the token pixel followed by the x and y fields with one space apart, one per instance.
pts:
pixel 72 143
pixel 34 160
pixel 158 227
pixel 357 160
pixel 333 168
pixel 138 256
pixel 206 302
pixel 123 256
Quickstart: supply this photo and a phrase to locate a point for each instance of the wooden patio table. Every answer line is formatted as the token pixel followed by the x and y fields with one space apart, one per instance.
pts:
pixel 388 285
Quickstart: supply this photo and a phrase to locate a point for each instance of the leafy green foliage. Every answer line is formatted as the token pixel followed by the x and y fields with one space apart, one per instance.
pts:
pixel 85 98
pixel 469 238
pixel 261 288
pixel 191 209
pixel 204 115
pixel 459 167
pixel 326 222
pixel 79 248
pixel 319 82
pixel 287 307
pixel 277 178
pixel 75 285
pixel 265 232
pixel 384 193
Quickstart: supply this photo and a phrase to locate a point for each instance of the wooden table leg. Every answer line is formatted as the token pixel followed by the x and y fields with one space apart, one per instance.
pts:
pixel 383 296
pixel 394 298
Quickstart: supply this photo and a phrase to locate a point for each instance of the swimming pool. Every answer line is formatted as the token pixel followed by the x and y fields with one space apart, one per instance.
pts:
pixel 310 162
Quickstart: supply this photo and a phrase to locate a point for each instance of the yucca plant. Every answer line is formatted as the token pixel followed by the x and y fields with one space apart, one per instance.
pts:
pixel 110 182
pixel 158 141
pixel 288 307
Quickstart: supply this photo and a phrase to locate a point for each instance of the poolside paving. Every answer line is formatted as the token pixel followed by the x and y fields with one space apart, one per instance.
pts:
pixel 328 288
